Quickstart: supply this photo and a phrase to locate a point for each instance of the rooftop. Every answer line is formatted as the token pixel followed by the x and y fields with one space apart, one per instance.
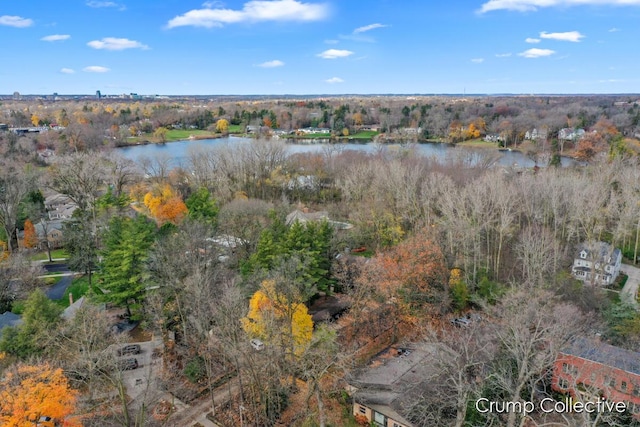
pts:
pixel 605 354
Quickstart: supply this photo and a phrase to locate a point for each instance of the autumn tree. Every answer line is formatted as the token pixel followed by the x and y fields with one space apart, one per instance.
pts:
pixel 28 392
pixel 222 126
pixel 165 205
pixel 30 237
pixel 278 316
pixel 161 134
pixel 415 271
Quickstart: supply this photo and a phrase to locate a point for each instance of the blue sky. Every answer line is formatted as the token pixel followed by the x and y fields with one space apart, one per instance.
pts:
pixel 178 47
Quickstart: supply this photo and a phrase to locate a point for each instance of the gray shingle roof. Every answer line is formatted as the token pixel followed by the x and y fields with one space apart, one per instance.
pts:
pixel 605 354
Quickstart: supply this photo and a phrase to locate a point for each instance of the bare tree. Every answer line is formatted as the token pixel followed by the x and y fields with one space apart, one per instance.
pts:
pixel 15 184
pixel 531 328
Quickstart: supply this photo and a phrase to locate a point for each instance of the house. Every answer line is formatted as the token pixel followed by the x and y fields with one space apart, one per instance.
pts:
pixel 589 368
pixel 51 232
pixel 597 263
pixel 535 134
pixel 493 137
pixel 381 392
pixel 70 312
pixel 304 216
pixel 570 134
pixel 59 206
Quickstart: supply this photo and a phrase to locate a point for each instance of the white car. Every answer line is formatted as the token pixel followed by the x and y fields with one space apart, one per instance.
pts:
pixel 257 344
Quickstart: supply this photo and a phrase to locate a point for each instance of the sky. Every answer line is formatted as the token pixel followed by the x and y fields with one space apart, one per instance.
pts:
pixel 298 47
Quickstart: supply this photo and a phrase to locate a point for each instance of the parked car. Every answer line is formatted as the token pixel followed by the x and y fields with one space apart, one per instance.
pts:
pixel 129 349
pixel 466 320
pixel 257 344
pixel 461 322
pixel 127 364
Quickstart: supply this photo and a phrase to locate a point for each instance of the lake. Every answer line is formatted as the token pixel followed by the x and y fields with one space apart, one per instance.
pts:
pixel 179 151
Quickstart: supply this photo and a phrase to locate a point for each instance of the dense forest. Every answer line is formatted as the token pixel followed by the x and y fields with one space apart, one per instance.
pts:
pixel 271 278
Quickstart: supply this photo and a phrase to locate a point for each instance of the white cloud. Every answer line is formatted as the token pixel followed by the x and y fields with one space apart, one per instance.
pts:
pixel 368 28
pixel 271 64
pixel 55 37
pixel 569 36
pixel 503 55
pixel 477 60
pixel 614 30
pixel 533 5
pixel 335 53
pixel 531 40
pixel 536 53
pixel 95 69
pixel 334 80
pixel 331 41
pixel 101 4
pixel 67 70
pixel 112 43
pixel 15 21
pixel 252 11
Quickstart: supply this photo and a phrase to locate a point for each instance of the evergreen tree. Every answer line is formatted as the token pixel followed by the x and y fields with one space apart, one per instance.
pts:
pixel 127 243
pixel 203 207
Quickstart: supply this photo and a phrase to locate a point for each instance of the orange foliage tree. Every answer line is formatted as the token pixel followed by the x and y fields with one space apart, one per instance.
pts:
pixel 165 205
pixel 28 392
pixel 30 237
pixel 413 271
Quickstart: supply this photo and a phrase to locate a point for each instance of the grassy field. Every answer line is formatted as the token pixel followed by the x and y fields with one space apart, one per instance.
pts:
pixel 478 143
pixel 365 135
pixel 235 129
pixel 42 256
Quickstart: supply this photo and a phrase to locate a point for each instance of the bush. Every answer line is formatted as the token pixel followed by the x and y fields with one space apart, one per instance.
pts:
pixel 195 370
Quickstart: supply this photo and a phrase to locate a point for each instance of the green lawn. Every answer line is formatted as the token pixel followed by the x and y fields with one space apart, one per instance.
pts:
pixel 236 129
pixel 42 256
pixel 79 288
pixel 365 134
pixel 181 134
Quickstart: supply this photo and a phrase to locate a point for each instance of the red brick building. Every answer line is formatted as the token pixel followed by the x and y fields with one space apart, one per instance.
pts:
pixel 589 369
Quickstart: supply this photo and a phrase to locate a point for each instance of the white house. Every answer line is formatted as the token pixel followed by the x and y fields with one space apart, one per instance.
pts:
pixel 597 263
pixel 536 134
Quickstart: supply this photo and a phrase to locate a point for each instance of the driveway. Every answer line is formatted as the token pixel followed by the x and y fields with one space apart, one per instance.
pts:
pixel 630 291
pixel 57 291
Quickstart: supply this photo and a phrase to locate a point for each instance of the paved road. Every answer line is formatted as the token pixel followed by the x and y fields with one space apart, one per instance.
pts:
pixel 56 268
pixel 630 291
pixel 57 291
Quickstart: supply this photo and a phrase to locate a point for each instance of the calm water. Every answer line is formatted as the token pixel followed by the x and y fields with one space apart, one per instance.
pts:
pixel 179 151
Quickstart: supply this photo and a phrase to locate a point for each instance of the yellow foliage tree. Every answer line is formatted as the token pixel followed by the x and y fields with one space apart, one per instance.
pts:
pixel 29 392
pixel 35 119
pixel 277 319
pixel 222 126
